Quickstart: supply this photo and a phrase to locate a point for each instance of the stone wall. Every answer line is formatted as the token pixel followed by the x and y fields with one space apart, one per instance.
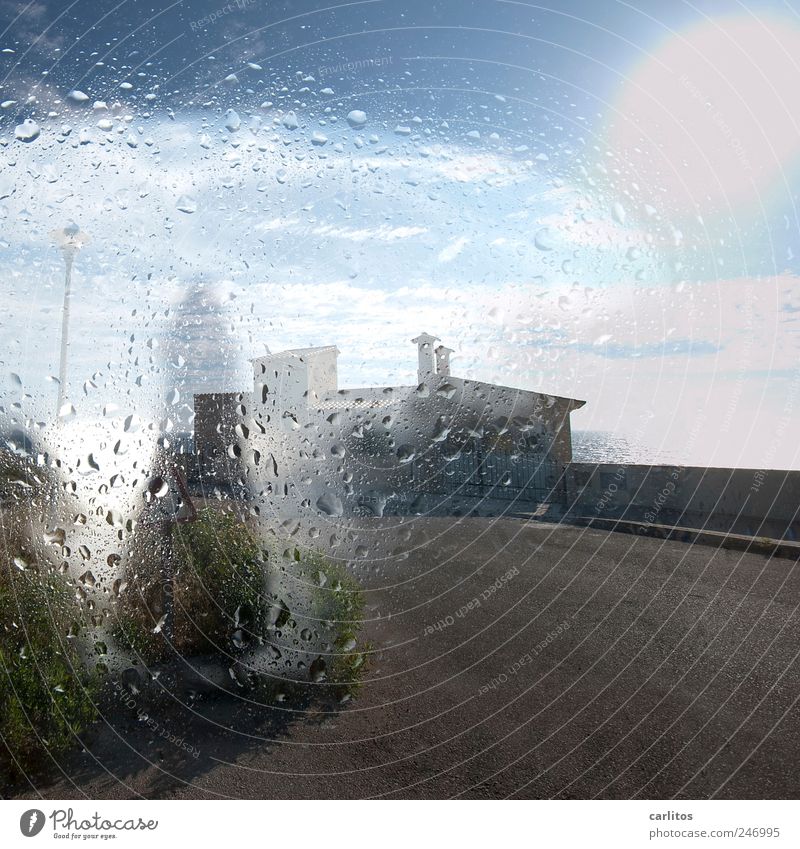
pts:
pixel 747 501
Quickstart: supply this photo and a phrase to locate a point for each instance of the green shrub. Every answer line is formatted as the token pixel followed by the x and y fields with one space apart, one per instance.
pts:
pixel 218 579
pixel 47 695
pixel 219 588
pixel 219 553
pixel 339 601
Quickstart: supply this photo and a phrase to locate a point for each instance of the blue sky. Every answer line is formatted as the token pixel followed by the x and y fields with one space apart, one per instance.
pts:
pixel 598 201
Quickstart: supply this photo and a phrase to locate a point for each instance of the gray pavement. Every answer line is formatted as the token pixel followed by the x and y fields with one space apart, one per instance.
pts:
pixel 594 664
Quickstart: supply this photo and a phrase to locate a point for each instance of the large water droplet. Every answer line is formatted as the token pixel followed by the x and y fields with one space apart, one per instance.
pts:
pixel 186 204
pixel 330 505
pixel 318 670
pixel 232 120
pixel 357 118
pixel 27 131
pixel 544 239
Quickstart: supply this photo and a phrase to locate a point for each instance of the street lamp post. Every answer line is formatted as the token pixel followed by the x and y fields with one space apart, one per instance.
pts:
pixel 69 240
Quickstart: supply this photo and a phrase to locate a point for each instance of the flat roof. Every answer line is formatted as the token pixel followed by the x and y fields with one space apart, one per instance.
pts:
pixel 297 352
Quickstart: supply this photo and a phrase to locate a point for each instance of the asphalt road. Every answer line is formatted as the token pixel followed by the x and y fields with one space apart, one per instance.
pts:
pixel 594 665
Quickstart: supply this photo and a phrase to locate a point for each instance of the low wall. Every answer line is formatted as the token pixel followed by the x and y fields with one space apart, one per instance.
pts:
pixel 754 502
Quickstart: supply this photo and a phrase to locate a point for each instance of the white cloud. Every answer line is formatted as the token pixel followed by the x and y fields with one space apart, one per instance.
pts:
pixel 449 253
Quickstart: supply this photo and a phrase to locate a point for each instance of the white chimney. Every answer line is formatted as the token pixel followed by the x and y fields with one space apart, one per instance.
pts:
pixel 443 360
pixel 424 343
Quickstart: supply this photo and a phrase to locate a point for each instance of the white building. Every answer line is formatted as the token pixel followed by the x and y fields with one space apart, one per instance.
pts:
pixel 301 444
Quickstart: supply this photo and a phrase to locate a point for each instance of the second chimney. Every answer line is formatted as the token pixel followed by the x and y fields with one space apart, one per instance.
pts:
pixel 443 360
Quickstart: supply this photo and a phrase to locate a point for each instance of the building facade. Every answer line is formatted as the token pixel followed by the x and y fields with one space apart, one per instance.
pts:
pixel 300 444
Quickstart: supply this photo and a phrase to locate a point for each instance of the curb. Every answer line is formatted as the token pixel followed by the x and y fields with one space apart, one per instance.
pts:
pixel 697 536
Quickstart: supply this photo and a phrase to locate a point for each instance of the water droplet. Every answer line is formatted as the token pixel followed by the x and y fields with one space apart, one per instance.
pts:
pixel 318 670
pixel 405 453
pixel 77 96
pixel 27 131
pixel 544 239
pixel 330 505
pixel 232 120
pixel 186 204
pixel 357 118
pixel 55 537
pixel 87 578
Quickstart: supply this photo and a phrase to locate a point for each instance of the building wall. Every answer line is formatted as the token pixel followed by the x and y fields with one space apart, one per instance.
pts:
pixel 369 448
pixel 296 378
pixel 397 450
pixel 214 421
pixel 302 444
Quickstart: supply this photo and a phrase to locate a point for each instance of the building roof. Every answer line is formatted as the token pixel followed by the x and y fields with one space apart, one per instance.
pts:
pixel 299 352
pixel 362 395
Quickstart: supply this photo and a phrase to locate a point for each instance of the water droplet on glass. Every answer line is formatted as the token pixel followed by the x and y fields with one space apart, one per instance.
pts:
pixel 544 239
pixel 27 131
pixel 232 120
pixel 330 505
pixel 356 118
pixel 318 670
pixel 186 204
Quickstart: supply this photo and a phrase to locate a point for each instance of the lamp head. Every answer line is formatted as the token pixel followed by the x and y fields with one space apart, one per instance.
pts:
pixel 70 238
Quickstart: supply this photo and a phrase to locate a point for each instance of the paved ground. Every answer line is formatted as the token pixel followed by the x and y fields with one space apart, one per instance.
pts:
pixel 609 666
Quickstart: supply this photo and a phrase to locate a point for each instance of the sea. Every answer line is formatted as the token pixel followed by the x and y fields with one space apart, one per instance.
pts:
pixel 601 446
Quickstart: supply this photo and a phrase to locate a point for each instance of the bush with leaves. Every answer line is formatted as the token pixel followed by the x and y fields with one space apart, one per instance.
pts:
pixel 339 604
pixel 47 694
pixel 217 585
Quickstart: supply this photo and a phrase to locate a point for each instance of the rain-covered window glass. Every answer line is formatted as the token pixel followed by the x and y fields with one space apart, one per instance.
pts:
pixel 398 398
